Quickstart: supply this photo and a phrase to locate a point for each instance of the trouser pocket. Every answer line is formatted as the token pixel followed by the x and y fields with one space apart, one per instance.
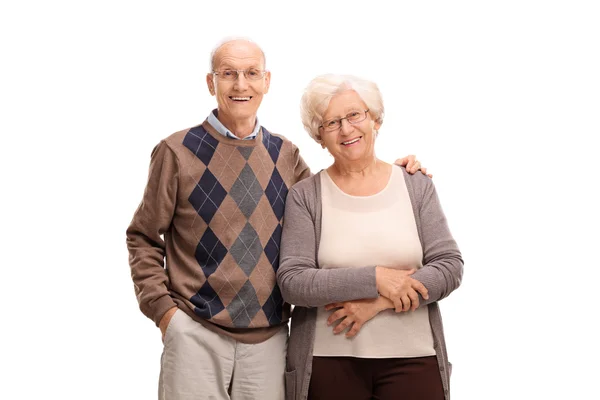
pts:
pixel 290 385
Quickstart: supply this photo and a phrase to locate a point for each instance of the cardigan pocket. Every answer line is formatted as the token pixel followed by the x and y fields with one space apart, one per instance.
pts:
pixel 290 385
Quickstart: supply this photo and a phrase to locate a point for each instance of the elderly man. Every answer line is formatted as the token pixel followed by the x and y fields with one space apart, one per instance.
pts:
pixel 216 192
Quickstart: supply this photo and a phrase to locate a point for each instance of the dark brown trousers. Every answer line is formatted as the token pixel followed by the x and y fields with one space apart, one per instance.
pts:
pixel 352 378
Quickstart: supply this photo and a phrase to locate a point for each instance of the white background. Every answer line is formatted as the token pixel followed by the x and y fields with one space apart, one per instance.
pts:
pixel 500 100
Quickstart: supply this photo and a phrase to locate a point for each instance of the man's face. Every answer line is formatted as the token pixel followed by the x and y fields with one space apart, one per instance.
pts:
pixel 238 99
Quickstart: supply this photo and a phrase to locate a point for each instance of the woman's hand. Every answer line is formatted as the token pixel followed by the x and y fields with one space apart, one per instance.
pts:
pixel 355 313
pixel 400 288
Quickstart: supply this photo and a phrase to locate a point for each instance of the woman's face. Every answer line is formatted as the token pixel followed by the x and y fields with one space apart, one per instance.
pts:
pixel 352 142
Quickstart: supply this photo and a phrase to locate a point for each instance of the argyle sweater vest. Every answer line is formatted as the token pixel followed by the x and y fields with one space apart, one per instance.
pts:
pixel 219 204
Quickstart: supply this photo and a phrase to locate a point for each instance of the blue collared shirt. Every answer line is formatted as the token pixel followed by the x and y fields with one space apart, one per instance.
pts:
pixel 219 127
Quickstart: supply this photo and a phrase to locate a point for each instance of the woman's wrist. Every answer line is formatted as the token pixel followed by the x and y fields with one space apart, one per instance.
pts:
pixel 384 303
pixel 378 277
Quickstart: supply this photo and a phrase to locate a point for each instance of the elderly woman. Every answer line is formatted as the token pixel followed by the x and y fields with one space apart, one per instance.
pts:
pixel 365 250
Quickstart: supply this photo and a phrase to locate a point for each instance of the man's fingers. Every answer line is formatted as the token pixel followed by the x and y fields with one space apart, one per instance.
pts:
pixel 405 303
pixel 415 167
pixel 407 271
pixel 419 287
pixel 414 300
pixel 397 304
pixel 402 161
pixel 424 171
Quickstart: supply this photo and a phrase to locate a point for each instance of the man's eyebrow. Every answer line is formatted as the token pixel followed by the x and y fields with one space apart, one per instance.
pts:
pixel 253 66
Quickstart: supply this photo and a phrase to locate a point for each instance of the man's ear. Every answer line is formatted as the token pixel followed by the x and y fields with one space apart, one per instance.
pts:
pixel 267 81
pixel 210 82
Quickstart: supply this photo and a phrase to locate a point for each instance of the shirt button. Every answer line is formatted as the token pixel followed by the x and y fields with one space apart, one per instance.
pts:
pixel 442 369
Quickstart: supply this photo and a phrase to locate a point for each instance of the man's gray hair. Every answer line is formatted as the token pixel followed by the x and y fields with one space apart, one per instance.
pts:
pixel 321 89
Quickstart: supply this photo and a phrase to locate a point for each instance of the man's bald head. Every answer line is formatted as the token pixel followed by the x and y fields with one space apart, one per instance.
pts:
pixel 237 45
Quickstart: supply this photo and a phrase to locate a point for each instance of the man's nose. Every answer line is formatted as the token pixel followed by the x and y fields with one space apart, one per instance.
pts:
pixel 241 83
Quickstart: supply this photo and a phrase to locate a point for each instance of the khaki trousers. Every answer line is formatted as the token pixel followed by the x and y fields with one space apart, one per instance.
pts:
pixel 199 364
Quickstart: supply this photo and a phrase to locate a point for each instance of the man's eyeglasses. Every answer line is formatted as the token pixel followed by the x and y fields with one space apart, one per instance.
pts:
pixel 336 123
pixel 251 74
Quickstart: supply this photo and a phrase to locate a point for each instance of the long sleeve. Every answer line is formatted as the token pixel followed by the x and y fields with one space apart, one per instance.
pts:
pixel 442 261
pixel 144 242
pixel 301 282
pixel 301 169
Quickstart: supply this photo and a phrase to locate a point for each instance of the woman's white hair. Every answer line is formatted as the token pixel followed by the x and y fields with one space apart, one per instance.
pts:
pixel 321 89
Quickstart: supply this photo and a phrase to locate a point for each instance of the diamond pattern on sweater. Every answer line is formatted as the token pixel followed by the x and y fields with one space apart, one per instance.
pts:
pixel 210 252
pixel 234 281
pixel 201 143
pixel 226 165
pixel 231 220
pixel 262 165
pixel 276 193
pixel 244 306
pixel 245 151
pixel 262 279
pixel 264 220
pixel 207 302
pixel 273 307
pixel 207 196
pixel 260 319
pixel 273 144
pixel 246 191
pixel 247 249
pixel 272 248
pixel 240 196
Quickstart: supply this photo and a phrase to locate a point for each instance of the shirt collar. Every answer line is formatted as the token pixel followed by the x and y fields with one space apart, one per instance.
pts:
pixel 219 127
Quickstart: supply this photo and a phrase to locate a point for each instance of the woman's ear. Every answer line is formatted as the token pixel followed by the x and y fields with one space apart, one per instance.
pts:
pixel 320 140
